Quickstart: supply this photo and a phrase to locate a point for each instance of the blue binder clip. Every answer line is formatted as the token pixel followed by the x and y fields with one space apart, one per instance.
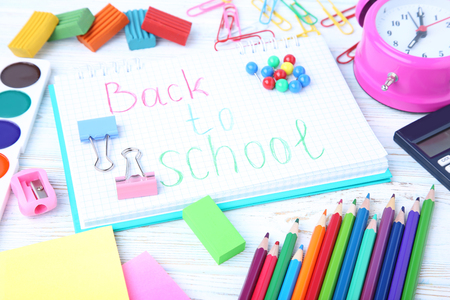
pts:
pixel 98 129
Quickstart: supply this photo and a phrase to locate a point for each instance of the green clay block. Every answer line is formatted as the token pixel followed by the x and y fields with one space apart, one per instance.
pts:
pixel 72 23
pixel 213 229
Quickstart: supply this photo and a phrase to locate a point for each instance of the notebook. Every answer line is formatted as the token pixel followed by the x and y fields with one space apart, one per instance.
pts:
pixel 207 127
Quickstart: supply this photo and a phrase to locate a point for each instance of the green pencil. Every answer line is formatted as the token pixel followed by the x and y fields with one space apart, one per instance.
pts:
pixel 282 264
pixel 334 267
pixel 415 262
pixel 365 252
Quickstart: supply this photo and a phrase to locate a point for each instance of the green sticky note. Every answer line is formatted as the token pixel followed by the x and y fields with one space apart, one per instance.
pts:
pixel 72 23
pixel 213 229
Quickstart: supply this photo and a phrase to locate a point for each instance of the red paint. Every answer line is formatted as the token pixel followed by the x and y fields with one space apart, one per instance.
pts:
pixel 117 91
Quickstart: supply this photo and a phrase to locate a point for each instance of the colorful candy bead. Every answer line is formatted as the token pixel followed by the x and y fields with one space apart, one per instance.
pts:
pixel 251 68
pixel 273 61
pixel 279 74
pixel 282 85
pixel 304 79
pixel 287 67
pixel 298 70
pixel 295 86
pixel 269 83
pixel 267 71
pixel 289 58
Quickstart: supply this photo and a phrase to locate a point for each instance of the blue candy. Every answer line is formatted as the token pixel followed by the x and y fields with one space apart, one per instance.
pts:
pixel 304 80
pixel 295 86
pixel 251 68
pixel 267 71
pixel 299 70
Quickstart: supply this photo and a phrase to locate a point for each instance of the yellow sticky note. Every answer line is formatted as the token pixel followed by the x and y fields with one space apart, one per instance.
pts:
pixel 81 266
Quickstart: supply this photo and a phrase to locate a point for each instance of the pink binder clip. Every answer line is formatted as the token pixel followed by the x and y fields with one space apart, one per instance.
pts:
pixel 33 191
pixel 139 185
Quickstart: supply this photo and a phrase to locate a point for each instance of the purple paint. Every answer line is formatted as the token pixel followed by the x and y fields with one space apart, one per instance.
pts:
pixel 9 133
pixel 376 261
pixel 253 274
pixel 403 256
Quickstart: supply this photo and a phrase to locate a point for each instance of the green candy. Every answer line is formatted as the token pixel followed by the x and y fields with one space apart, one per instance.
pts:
pixel 282 85
pixel 273 61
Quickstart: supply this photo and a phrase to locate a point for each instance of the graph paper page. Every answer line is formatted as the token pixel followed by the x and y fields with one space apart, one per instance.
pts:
pixel 207 127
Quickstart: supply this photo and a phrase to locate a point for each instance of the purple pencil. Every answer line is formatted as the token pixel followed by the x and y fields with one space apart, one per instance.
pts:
pixel 255 269
pixel 395 293
pixel 376 261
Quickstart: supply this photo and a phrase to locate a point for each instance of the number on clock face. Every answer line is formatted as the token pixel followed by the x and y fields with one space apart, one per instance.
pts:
pixel 416 27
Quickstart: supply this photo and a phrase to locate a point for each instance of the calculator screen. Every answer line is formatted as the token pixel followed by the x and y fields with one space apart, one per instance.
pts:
pixel 436 144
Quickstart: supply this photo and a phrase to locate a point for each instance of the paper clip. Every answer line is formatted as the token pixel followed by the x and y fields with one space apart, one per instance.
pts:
pixel 263 12
pixel 205 7
pixel 299 15
pixel 344 20
pixel 98 129
pixel 348 54
pixel 139 185
pixel 245 36
pixel 340 21
pixel 305 31
pixel 280 20
pixel 229 11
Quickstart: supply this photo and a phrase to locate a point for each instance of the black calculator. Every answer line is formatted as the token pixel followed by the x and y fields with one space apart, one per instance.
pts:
pixel 427 140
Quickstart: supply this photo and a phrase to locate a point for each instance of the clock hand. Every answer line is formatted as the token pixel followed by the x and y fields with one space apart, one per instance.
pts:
pixel 423 28
pixel 417 26
pixel 419 34
pixel 421 15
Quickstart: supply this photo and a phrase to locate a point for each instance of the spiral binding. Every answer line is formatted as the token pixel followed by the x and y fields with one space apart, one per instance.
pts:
pixel 129 65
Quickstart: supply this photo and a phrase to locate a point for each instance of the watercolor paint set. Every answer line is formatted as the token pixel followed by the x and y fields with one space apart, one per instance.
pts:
pixel 22 84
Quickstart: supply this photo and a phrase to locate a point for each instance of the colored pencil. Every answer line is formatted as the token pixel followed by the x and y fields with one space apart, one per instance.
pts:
pixel 345 276
pixel 354 291
pixel 379 249
pixel 325 254
pixel 301 287
pixel 395 293
pixel 291 275
pixel 331 277
pixel 282 264
pixel 266 273
pixel 387 270
pixel 255 269
pixel 415 263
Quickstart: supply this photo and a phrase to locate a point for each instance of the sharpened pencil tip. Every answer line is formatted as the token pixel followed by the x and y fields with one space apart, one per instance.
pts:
pixel 368 196
pixel 267 235
pixel 277 243
pixel 301 247
pixel 340 201
pixel 375 216
pixel 403 208
pixel 296 221
pixel 354 202
pixel 432 188
pixel 418 199
pixel 325 212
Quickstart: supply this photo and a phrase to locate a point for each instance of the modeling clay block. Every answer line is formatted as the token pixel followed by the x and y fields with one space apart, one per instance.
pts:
pixel 166 26
pixel 213 229
pixel 108 22
pixel 34 34
pixel 136 37
pixel 72 23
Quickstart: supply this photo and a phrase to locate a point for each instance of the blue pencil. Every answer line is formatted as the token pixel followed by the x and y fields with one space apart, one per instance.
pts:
pixel 345 276
pixel 387 270
pixel 291 275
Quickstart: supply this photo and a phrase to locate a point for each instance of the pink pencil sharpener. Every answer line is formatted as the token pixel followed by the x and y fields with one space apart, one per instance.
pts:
pixel 33 191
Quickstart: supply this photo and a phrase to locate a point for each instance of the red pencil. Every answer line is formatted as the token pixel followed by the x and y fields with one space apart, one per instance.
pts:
pixel 266 273
pixel 325 254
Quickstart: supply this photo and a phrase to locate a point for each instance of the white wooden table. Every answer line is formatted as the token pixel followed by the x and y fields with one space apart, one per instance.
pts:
pixel 173 244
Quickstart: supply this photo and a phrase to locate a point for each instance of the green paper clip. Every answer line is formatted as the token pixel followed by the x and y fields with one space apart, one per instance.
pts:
pixel 303 17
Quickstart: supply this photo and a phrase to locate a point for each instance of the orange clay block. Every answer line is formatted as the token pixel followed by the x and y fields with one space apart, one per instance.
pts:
pixel 108 22
pixel 34 34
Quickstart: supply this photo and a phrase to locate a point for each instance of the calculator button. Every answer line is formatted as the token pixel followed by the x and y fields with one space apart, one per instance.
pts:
pixel 444 161
pixel 447 168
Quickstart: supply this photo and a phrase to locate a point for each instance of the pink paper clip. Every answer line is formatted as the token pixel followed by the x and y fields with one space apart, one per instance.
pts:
pixel 33 191
pixel 340 21
pixel 205 7
pixel 348 54
pixel 230 16
pixel 139 185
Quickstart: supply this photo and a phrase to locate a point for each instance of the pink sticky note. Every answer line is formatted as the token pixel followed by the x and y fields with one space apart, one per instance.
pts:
pixel 147 280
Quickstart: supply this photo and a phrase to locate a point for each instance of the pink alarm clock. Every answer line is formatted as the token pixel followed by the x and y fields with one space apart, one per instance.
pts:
pixel 403 59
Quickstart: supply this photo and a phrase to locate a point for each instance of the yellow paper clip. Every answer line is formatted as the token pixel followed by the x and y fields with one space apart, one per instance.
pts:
pixel 279 21
pixel 305 32
pixel 335 22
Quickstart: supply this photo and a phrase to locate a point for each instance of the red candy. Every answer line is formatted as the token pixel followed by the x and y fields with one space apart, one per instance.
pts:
pixel 269 83
pixel 279 74
pixel 289 58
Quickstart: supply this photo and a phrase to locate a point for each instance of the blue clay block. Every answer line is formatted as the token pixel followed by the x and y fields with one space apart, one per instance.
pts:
pixel 136 37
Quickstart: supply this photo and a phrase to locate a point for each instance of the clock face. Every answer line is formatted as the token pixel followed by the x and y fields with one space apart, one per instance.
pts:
pixel 416 27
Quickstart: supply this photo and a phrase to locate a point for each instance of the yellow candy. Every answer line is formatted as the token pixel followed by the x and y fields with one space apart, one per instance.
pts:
pixel 287 67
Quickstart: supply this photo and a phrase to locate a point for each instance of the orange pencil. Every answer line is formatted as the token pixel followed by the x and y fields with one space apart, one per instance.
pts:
pixel 310 259
pixel 266 273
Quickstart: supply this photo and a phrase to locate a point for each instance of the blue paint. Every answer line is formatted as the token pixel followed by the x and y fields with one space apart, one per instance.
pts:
pixel 9 133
